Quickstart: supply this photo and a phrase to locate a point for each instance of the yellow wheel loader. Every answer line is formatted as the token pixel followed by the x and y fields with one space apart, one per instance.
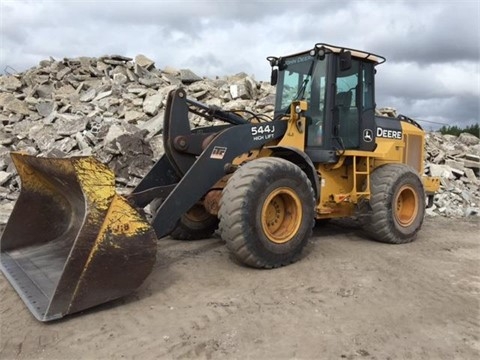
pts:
pixel 72 243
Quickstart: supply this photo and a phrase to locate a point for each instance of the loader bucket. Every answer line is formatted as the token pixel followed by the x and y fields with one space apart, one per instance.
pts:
pixel 71 242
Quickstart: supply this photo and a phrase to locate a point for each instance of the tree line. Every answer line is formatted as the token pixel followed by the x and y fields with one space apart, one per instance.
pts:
pixel 455 130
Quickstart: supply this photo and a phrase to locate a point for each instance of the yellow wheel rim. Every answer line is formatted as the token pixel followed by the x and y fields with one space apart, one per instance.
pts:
pixel 281 215
pixel 405 206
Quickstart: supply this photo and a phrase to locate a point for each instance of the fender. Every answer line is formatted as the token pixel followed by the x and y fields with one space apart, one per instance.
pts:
pixel 301 159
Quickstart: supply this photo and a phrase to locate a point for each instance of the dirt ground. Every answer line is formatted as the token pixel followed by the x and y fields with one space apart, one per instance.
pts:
pixel 348 298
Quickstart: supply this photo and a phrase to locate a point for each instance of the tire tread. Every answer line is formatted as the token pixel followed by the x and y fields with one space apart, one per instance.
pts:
pixel 379 220
pixel 239 187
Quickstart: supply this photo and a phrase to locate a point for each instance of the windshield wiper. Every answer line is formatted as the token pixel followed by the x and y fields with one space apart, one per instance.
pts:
pixel 301 91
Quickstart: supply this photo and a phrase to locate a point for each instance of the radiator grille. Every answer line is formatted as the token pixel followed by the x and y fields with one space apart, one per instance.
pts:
pixel 414 152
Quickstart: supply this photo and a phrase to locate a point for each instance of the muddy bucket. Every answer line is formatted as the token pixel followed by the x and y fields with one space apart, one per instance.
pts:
pixel 71 242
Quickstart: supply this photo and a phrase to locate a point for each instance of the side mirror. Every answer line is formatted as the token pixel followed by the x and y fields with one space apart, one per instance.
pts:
pixel 345 60
pixel 274 77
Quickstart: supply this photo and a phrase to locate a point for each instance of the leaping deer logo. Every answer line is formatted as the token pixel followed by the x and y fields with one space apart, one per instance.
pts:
pixel 367 135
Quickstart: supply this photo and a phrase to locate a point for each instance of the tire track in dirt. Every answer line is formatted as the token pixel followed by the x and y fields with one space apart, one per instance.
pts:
pixel 416 278
pixel 164 300
pixel 427 287
pixel 187 346
pixel 199 313
pixel 131 337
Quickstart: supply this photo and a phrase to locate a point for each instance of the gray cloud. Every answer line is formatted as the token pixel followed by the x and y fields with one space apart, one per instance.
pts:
pixel 460 111
pixel 432 34
pixel 432 46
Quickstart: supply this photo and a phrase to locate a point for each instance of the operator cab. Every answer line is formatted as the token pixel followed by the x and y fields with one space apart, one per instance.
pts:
pixel 338 85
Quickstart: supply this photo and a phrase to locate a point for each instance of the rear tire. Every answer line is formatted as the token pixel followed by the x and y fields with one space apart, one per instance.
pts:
pixel 267 212
pixel 397 204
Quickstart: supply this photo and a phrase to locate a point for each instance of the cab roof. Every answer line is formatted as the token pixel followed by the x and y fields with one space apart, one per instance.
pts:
pixel 377 59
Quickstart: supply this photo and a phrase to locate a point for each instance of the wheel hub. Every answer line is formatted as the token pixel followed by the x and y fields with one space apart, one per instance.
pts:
pixel 405 206
pixel 197 214
pixel 281 215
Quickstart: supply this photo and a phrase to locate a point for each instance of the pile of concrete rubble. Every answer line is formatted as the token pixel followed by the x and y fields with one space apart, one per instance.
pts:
pixel 112 107
pixel 456 160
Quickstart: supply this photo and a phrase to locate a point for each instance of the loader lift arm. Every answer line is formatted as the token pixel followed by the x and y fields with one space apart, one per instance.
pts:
pixel 180 143
pixel 194 160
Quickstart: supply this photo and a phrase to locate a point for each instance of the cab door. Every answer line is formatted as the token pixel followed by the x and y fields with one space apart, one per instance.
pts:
pixel 347 109
pixel 354 107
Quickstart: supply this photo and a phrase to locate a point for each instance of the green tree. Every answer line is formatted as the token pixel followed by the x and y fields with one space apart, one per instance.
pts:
pixel 455 130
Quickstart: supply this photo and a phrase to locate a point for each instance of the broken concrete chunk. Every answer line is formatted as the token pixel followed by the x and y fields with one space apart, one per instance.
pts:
pixel 240 91
pixel 144 61
pixel 137 102
pixel 266 101
pixel 171 71
pixel 5 211
pixel 64 91
pixel 121 58
pixel 120 79
pixel 45 108
pixel 63 72
pixel 238 104
pixel 200 95
pixel 81 141
pixel 468 139
pixel 5 139
pixel 139 165
pixel 114 131
pixel 154 125
pixel 443 171
pixel 103 95
pixel 30 100
pixel 44 136
pixel 133 144
pixel 156 143
pixel 10 103
pixel 118 70
pixel 472 157
pixel 471 211
pixel 471 164
pixel 65 145
pixel 152 104
pixel 131 75
pixel 5 98
pixel 139 90
pixel 88 95
pixel 457 173
pixel 151 81
pixel 440 157
pixel 10 83
pixel 69 124
pixel 4 177
pixel 188 76
pixel 133 115
pixel 111 61
pixel 470 175
pixel 44 91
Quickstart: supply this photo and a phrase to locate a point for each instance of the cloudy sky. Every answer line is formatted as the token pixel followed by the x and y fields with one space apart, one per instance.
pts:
pixel 432 47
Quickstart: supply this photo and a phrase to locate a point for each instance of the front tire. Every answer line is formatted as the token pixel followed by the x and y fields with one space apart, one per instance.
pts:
pixel 267 212
pixel 195 224
pixel 397 202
